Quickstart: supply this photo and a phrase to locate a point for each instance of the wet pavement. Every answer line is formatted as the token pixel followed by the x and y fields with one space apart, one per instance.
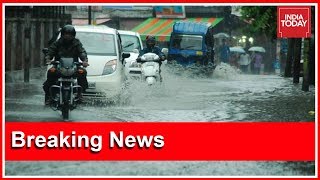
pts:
pixel 226 96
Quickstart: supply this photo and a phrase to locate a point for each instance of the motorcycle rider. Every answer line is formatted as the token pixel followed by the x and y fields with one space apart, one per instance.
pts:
pixel 152 48
pixel 66 46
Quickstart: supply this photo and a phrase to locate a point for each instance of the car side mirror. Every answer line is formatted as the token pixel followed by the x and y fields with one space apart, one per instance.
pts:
pixel 45 51
pixel 125 55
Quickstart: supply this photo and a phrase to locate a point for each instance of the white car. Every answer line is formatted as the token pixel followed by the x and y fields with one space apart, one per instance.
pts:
pixel 105 73
pixel 131 43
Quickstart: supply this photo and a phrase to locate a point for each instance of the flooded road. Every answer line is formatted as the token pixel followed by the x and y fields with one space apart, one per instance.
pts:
pixel 226 96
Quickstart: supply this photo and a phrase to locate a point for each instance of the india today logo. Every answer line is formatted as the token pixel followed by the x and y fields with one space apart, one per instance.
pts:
pixel 294 22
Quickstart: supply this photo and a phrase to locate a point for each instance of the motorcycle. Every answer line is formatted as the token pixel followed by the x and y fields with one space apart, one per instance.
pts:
pixel 66 93
pixel 150 67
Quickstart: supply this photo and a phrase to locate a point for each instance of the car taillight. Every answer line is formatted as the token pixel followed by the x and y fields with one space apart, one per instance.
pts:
pixel 110 67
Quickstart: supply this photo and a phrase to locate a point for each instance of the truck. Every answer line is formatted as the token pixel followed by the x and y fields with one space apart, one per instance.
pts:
pixel 192 43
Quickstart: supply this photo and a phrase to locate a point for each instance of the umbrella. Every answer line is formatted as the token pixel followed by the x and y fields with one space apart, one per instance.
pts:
pixel 221 35
pixel 237 49
pixel 257 48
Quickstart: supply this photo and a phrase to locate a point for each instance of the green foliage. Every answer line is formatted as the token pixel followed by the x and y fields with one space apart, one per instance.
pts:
pixel 262 19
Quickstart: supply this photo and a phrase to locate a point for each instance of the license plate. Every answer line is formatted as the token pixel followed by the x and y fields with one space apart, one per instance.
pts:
pixel 92 85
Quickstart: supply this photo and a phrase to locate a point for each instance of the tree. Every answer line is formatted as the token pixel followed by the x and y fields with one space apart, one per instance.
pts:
pixel 262 24
pixel 262 19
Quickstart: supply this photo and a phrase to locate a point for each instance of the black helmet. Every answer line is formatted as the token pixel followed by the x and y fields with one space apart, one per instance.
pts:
pixel 151 41
pixel 68 29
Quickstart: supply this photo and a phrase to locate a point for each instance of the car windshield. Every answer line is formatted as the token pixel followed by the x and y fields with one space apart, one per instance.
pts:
pixel 130 42
pixel 98 43
pixel 188 42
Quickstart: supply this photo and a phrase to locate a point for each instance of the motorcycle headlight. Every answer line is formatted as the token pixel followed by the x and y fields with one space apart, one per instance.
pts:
pixel 67 71
pixel 135 65
pixel 110 67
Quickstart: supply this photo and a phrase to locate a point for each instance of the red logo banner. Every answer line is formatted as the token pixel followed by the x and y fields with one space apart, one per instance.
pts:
pixel 294 22
pixel 160 141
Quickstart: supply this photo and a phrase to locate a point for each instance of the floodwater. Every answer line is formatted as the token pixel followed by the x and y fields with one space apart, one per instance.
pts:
pixel 227 95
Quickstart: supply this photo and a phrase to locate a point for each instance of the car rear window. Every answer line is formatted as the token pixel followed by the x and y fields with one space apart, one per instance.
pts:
pixel 98 43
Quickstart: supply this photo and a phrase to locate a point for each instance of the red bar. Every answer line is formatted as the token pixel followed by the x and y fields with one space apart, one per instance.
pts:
pixel 182 141
pixel 162 1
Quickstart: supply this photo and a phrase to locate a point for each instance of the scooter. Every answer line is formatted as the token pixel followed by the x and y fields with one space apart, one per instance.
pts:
pixel 150 68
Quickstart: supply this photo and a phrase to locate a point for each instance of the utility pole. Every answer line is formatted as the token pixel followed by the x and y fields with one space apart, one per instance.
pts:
pixel 27 36
pixel 89 15
pixel 288 68
pixel 312 49
pixel 305 81
pixel 296 61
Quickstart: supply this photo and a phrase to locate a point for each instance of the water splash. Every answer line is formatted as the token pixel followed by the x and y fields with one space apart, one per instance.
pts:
pixel 225 71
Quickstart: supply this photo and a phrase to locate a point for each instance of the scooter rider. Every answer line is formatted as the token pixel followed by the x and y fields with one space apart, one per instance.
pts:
pixel 152 48
pixel 66 46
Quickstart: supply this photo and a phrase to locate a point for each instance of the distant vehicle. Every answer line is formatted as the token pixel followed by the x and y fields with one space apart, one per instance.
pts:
pixel 192 43
pixel 131 43
pixel 105 54
pixel 150 68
